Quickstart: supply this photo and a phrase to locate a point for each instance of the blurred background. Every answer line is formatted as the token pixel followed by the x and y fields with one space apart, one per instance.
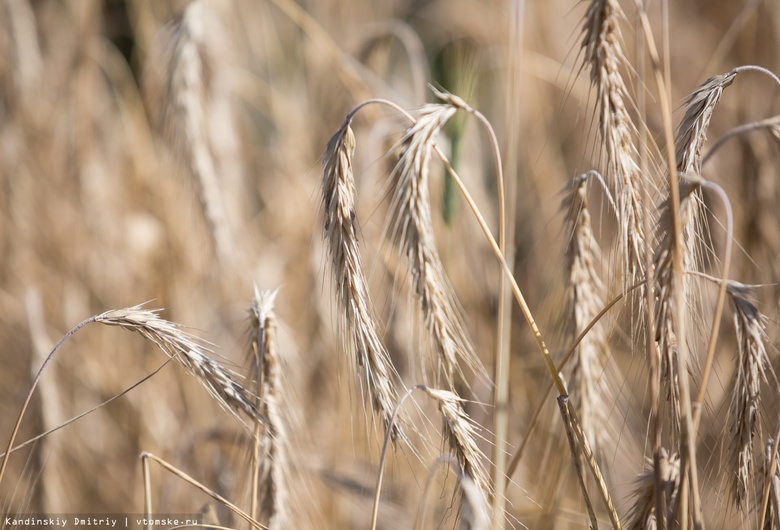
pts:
pixel 128 176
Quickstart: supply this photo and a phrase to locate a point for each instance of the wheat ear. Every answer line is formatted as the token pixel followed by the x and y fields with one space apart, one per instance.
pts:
pixel 584 302
pixel 412 227
pixel 751 362
pixel 272 464
pixel 341 229
pixel 189 93
pixel 189 352
pixel 603 56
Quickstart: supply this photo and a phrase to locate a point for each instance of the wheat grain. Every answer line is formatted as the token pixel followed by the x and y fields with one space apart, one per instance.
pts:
pixel 460 432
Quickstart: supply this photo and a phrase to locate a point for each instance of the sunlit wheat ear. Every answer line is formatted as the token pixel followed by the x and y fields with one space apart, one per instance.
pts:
pixel 689 141
pixel 190 73
pixel 274 465
pixel 692 131
pixel 412 227
pixel 666 336
pixel 341 230
pixel 584 302
pixel 602 44
pixel 190 352
pixel 460 432
pixel 751 365
pixel 643 516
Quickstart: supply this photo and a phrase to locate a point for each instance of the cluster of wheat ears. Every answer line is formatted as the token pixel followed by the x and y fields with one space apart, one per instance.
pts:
pixel 629 400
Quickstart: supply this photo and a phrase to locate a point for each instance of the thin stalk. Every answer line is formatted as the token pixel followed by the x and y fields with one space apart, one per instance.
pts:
pixel 217 497
pixel 719 304
pixel 532 424
pixel 147 490
pixel 650 352
pixel 504 331
pixel 768 480
pixel 563 406
pixel 37 378
pixel 87 412
pixel 383 455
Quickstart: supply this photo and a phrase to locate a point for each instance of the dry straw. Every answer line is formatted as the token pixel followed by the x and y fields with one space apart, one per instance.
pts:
pixel 341 229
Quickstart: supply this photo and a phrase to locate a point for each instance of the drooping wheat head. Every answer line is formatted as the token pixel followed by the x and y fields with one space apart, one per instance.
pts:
pixel 188 351
pixel 460 433
pixel 341 231
pixel 411 225
pixel 744 410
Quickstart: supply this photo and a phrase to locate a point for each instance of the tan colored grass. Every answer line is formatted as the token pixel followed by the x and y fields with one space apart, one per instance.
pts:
pixel 197 114
pixel 341 235
pixel 412 228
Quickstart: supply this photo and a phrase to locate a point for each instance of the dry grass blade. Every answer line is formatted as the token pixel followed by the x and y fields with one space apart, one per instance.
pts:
pixel 460 433
pixel 272 462
pixel 412 228
pixel 584 302
pixel 341 229
pixel 643 515
pixel 752 362
pixel 602 43
pixel 190 352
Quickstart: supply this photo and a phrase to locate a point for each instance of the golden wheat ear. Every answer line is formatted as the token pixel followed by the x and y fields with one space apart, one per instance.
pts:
pixel 411 225
pixel 357 317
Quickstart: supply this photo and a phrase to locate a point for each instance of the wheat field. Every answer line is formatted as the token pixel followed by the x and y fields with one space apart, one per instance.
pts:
pixel 404 264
